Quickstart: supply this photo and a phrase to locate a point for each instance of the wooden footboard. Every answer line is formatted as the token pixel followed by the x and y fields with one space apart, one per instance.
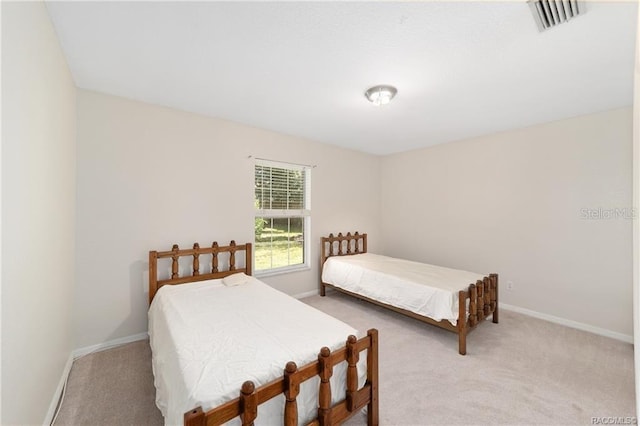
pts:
pixel 476 303
pixel 483 301
pixel 246 406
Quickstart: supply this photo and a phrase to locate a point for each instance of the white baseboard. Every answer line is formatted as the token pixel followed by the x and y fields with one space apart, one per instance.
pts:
pixel 107 345
pixel 306 294
pixel 58 393
pixel 557 320
pixel 569 323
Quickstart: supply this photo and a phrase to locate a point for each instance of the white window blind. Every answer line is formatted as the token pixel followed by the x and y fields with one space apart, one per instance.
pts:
pixel 282 216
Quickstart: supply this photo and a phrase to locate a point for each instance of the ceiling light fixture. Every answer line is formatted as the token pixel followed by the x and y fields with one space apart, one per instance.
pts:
pixel 381 95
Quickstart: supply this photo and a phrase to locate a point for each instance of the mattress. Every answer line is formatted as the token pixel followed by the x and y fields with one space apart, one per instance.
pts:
pixel 208 338
pixel 424 289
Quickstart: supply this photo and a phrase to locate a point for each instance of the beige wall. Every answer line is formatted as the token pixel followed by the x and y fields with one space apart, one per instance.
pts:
pixel 513 203
pixel 149 177
pixel 38 213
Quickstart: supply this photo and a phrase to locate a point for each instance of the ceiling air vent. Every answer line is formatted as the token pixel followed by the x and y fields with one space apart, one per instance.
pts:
pixel 549 13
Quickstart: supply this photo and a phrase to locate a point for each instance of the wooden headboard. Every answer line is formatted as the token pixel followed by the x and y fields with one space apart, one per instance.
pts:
pixel 343 245
pixel 215 250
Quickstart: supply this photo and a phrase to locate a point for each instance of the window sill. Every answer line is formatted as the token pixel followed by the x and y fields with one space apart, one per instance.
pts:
pixel 281 271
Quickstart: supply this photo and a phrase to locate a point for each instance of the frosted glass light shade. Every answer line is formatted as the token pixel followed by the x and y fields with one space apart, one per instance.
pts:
pixel 381 95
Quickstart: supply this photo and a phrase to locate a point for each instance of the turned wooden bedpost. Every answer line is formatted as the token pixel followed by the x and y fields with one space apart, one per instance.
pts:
pixel 324 396
pixel 473 307
pixel 323 251
pixel 480 301
pixel 248 258
pixel 196 260
pixel 153 275
pixel 462 320
pixel 487 296
pixel 494 296
pixel 232 255
pixel 373 413
pixel 291 391
pixel 174 262
pixel 248 403
pixel 214 257
pixel 195 417
pixel 325 256
pixel 353 356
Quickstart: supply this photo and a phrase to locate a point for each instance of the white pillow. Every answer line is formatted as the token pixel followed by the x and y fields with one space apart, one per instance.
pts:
pixel 235 279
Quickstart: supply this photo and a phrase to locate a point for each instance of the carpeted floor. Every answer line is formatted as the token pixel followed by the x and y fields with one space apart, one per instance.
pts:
pixel 522 371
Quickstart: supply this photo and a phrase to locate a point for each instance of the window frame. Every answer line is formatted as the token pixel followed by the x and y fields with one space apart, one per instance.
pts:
pixel 304 213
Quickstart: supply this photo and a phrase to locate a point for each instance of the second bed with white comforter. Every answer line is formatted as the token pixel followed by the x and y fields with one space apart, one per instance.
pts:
pixel 428 290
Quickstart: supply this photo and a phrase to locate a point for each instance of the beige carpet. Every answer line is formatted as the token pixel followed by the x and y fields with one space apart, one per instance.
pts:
pixel 522 371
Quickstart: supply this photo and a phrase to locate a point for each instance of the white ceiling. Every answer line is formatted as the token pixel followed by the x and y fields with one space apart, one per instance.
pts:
pixel 462 69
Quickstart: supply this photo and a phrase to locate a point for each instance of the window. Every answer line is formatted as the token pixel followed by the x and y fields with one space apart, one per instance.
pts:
pixel 282 216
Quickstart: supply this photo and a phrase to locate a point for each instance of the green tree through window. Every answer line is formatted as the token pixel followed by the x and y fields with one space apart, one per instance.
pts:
pixel 282 215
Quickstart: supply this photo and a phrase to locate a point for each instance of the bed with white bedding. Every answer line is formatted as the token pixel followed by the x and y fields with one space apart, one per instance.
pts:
pixel 213 334
pixel 452 299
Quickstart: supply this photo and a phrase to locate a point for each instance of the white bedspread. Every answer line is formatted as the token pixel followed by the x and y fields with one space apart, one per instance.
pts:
pixel 207 339
pixel 424 289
